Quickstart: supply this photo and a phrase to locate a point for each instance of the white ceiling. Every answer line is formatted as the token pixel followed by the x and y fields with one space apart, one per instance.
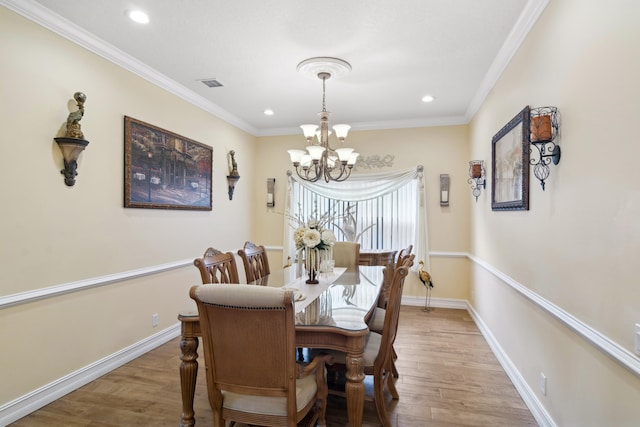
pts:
pixel 399 51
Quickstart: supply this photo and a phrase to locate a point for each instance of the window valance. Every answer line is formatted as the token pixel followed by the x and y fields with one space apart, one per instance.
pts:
pixel 364 187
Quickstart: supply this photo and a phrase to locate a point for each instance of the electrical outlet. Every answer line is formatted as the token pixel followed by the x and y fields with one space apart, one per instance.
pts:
pixel 638 339
pixel 154 320
pixel 543 384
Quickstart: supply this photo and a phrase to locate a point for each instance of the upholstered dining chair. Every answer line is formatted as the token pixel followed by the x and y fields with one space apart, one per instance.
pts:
pixel 378 352
pixel 217 267
pixel 346 254
pixel 255 261
pixel 248 335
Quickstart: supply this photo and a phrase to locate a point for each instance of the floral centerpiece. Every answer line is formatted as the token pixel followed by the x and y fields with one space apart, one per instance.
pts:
pixel 314 243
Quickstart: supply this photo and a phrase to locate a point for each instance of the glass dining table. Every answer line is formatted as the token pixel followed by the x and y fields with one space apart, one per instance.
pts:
pixel 332 314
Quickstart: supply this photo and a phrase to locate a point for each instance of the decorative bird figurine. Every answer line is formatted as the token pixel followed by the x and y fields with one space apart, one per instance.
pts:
pixel 425 278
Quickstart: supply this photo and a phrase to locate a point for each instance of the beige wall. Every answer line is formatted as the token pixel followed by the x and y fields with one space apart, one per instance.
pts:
pixel 438 149
pixel 55 235
pixel 51 234
pixel 577 246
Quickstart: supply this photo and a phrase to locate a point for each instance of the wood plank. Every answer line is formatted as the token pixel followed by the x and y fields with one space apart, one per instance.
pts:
pixel 448 377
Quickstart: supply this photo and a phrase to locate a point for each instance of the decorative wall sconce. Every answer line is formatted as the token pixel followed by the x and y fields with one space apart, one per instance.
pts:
pixel 233 176
pixel 476 177
pixel 544 131
pixel 73 143
pixel 271 183
pixel 444 189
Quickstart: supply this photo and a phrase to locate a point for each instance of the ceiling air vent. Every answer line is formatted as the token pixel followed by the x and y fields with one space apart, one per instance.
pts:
pixel 211 82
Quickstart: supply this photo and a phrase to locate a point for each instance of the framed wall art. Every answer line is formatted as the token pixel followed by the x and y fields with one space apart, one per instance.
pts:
pixel 163 170
pixel 510 165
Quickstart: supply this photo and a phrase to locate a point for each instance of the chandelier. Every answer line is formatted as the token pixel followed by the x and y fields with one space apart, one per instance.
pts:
pixel 321 160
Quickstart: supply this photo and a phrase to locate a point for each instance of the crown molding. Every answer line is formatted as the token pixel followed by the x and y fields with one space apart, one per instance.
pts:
pixel 382 125
pixel 65 28
pixel 519 32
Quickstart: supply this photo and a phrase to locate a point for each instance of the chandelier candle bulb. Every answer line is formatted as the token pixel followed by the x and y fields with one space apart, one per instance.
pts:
pixel 315 151
pixel 341 131
pixel 309 131
pixel 344 154
pixel 296 156
pixel 306 161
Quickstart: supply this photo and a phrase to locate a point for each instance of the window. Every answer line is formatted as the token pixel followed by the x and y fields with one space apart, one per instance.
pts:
pixel 383 222
pixel 379 211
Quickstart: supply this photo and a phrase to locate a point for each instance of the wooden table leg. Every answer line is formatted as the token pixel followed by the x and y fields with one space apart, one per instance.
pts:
pixel 354 388
pixel 188 376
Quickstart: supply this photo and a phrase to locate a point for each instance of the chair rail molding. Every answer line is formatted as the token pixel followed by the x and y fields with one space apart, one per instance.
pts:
pixel 618 353
pixel 614 350
pixel 65 288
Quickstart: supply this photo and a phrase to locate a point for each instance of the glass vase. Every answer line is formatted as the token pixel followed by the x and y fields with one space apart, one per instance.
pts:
pixel 312 265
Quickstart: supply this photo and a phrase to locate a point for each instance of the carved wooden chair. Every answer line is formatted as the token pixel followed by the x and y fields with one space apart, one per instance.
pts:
pixel 346 254
pixel 248 335
pixel 378 351
pixel 384 293
pixel 376 322
pixel 255 261
pixel 217 267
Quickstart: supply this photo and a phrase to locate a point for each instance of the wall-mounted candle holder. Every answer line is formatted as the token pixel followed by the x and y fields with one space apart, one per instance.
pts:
pixel 271 183
pixel 444 189
pixel 476 177
pixel 544 132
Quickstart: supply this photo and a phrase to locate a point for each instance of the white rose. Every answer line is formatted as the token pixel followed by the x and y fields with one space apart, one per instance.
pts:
pixel 298 234
pixel 311 238
pixel 328 238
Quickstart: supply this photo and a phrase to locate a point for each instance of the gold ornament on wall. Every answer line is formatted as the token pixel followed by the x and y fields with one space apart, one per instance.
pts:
pixel 73 143
pixel 234 175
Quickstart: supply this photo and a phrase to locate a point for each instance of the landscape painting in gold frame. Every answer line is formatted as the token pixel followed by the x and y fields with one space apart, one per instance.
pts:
pixel 164 170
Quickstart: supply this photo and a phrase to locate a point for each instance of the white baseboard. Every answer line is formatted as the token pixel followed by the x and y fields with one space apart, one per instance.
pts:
pixel 36 399
pixel 24 405
pixel 530 399
pixel 18 408
pixel 435 302
pixel 528 396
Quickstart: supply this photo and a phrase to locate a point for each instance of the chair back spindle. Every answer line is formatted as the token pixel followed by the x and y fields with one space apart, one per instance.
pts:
pixel 217 267
pixel 255 261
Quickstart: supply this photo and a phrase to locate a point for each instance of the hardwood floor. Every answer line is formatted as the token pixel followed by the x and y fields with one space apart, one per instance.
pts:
pixel 448 377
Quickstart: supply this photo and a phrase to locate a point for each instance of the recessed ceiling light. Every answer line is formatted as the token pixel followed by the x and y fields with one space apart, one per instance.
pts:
pixel 268 112
pixel 138 16
pixel 428 98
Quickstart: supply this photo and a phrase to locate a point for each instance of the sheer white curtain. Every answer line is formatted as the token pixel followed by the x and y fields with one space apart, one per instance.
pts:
pixel 389 207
